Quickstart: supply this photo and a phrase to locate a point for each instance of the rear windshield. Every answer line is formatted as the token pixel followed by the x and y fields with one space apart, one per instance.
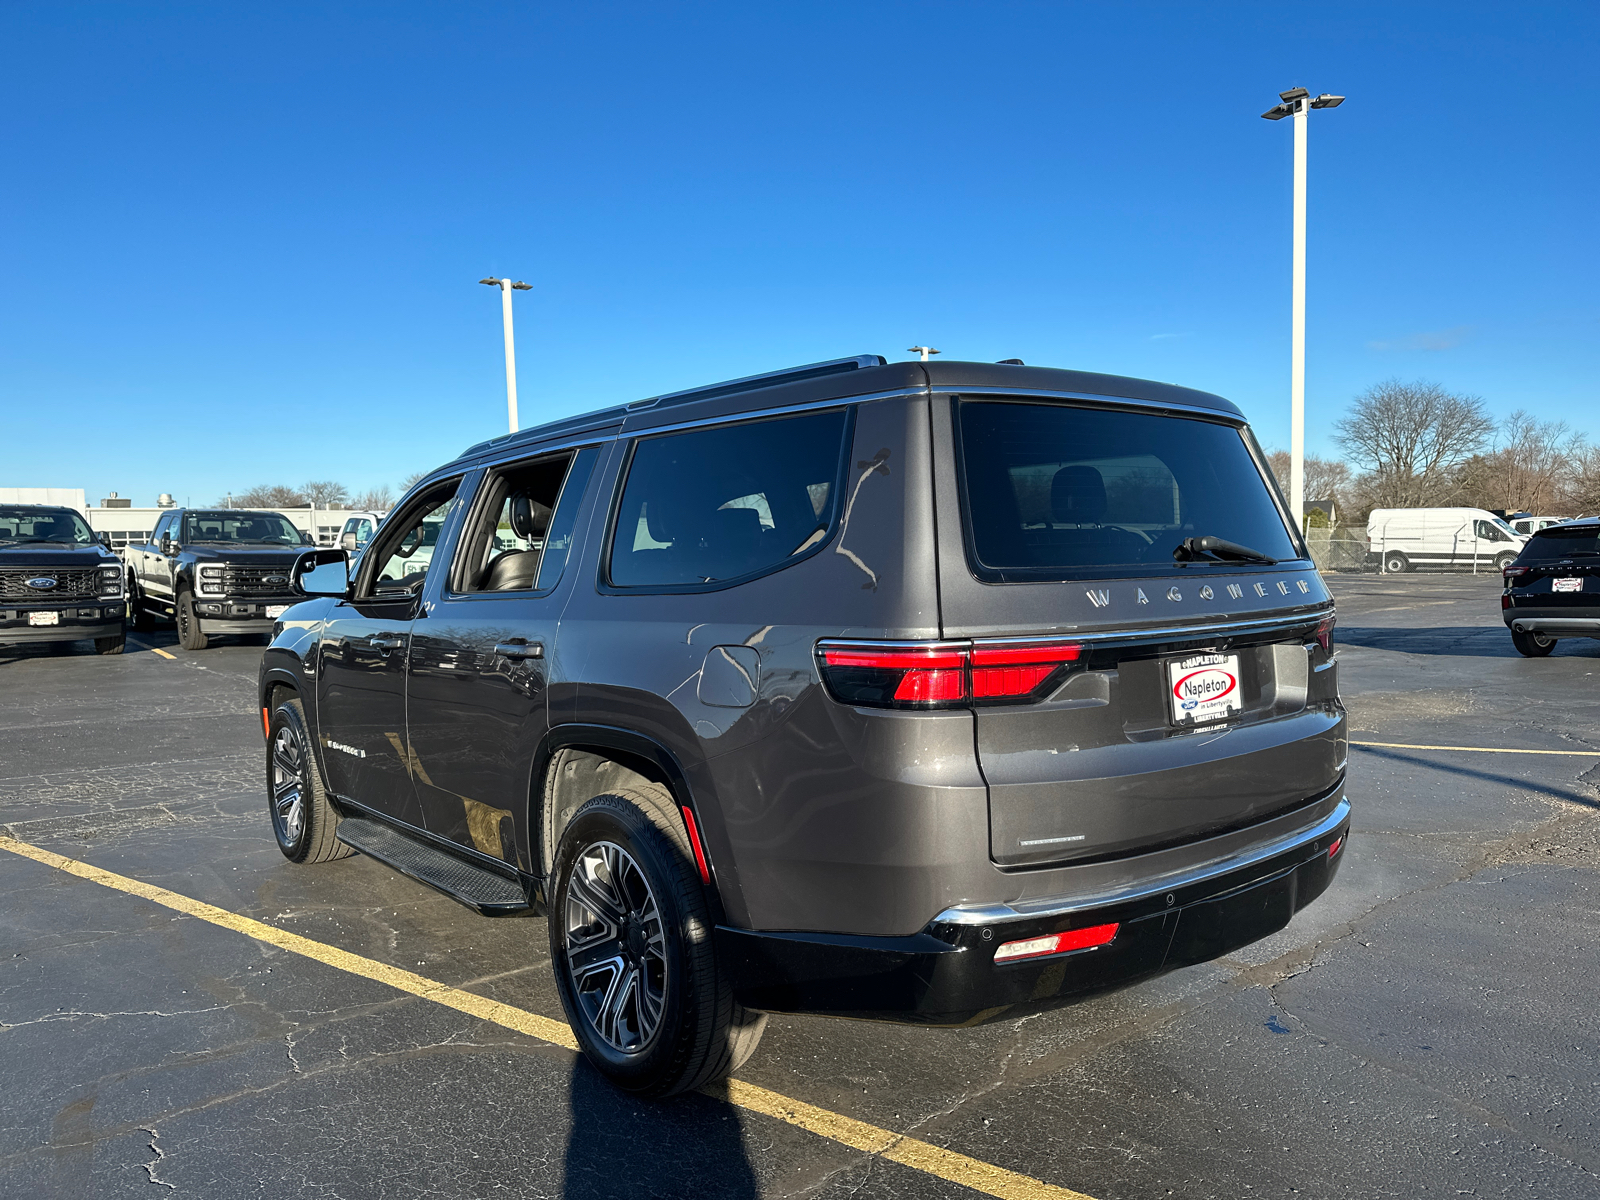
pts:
pixel 1056 492
pixel 1552 545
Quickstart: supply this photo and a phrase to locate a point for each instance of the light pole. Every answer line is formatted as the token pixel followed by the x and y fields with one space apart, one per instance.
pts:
pixel 1297 102
pixel 922 350
pixel 506 288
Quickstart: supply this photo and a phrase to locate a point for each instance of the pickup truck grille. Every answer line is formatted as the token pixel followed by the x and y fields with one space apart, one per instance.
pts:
pixel 70 585
pixel 252 581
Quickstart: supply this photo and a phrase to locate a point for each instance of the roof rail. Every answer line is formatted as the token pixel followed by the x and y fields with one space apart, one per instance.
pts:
pixel 750 383
pixel 711 391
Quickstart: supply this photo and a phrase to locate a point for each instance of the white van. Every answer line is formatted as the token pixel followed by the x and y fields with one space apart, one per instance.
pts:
pixel 359 528
pixel 1404 539
pixel 1532 525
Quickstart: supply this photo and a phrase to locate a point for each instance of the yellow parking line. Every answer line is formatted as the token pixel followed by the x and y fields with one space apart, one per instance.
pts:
pixel 1482 749
pixel 846 1131
pixel 155 650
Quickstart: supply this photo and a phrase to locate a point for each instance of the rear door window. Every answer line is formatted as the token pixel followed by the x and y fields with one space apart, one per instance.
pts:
pixel 1557 543
pixel 1052 491
pixel 709 506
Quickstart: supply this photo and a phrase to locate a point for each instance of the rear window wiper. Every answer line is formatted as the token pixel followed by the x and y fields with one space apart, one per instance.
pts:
pixel 1190 549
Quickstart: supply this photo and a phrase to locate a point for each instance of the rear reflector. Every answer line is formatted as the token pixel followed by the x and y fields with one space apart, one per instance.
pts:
pixel 266 726
pixel 1338 845
pixel 942 674
pixel 694 844
pixel 1057 943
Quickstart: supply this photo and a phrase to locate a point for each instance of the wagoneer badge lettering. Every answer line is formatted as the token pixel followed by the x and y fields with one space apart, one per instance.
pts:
pixel 1235 591
pixel 1206 593
pixel 1261 589
pixel 1174 594
pixel 1143 599
pixel 340 746
pixel 1099 597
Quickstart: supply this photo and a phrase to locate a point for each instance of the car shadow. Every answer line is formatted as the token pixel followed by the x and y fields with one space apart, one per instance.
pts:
pixel 1472 642
pixel 622 1147
pixel 1587 799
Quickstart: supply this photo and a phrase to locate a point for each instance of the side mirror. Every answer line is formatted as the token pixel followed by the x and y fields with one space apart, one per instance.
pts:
pixel 166 543
pixel 348 541
pixel 321 573
pixel 104 538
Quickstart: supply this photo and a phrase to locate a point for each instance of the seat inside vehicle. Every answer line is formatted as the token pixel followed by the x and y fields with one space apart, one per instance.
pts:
pixel 517 570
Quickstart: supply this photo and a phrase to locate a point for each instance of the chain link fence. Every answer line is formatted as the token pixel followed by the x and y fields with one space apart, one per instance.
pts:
pixel 1341 550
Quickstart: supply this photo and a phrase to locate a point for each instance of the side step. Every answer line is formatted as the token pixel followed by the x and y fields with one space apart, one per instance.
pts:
pixel 488 892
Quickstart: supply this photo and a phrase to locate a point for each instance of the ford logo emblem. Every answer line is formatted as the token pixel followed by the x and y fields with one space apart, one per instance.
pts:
pixel 43 582
pixel 276 579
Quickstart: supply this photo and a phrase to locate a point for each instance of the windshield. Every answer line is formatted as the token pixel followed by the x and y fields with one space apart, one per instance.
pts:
pixel 47 526
pixel 262 529
pixel 1561 541
pixel 1055 492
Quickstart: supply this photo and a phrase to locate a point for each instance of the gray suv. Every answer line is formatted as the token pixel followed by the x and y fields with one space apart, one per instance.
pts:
pixel 921 692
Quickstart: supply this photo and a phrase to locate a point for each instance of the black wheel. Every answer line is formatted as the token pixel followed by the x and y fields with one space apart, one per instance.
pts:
pixel 630 934
pixel 1396 563
pixel 1504 561
pixel 110 645
pixel 303 821
pixel 189 635
pixel 138 614
pixel 1532 645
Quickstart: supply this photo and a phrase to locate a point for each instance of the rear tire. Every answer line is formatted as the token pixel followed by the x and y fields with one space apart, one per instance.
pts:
pixel 189 635
pixel 110 645
pixel 138 615
pixel 1395 563
pixel 1533 645
pixel 1504 561
pixel 631 940
pixel 303 822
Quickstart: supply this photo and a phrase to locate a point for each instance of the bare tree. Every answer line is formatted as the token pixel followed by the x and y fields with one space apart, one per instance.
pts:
pixel 268 496
pixel 410 480
pixel 324 493
pixel 1326 478
pixel 378 499
pixel 1411 438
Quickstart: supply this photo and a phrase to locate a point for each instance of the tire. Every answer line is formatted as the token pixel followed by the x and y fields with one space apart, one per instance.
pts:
pixel 110 645
pixel 1395 563
pixel 1504 561
pixel 1533 645
pixel 138 615
pixel 189 635
pixel 627 905
pixel 303 822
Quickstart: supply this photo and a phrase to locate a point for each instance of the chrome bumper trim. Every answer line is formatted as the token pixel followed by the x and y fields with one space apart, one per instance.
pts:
pixel 1057 906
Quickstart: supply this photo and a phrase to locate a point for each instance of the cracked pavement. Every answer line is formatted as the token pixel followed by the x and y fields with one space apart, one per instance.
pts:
pixel 1426 1028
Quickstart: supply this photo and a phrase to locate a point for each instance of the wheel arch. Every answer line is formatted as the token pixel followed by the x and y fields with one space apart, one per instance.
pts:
pixel 578 761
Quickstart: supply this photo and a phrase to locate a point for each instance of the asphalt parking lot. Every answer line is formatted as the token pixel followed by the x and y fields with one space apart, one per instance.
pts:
pixel 1427 1028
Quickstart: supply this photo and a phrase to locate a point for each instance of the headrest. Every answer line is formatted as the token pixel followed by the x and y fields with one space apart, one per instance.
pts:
pixel 1078 495
pixel 529 518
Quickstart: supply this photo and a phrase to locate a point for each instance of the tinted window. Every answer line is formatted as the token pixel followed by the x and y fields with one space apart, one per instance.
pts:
pixel 1558 542
pixel 717 504
pixel 59 526
pixel 231 525
pixel 1053 491
pixel 523 530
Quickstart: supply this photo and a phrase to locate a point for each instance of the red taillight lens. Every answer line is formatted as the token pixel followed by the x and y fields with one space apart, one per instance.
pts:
pixel 1513 572
pixel 1325 635
pixel 941 674
pixel 1338 845
pixel 1057 943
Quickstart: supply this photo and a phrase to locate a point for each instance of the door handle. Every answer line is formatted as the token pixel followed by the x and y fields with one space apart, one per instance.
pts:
pixel 520 649
pixel 386 642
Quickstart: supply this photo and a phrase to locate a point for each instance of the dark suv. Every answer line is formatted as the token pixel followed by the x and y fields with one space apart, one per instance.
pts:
pixel 58 583
pixel 1553 588
pixel 915 692
pixel 214 571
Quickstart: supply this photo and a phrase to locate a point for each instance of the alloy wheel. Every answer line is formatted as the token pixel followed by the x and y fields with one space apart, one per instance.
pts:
pixel 288 785
pixel 616 947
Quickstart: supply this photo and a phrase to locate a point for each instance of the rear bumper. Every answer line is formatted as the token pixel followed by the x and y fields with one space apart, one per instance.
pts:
pixel 1556 626
pixel 946 974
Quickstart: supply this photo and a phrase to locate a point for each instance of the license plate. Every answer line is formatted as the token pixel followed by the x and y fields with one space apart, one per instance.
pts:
pixel 1202 688
pixel 44 618
pixel 1566 585
pixel 277 610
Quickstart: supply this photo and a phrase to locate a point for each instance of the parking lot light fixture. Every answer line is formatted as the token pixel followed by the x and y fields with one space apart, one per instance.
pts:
pixel 506 288
pixel 922 350
pixel 1296 103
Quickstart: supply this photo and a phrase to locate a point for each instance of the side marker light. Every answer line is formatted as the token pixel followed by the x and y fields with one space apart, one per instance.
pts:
pixel 266 726
pixel 694 842
pixel 1057 943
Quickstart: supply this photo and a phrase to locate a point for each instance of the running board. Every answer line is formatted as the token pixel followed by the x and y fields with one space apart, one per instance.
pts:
pixel 478 888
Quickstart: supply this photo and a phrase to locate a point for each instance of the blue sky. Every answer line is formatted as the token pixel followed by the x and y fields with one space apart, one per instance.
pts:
pixel 241 244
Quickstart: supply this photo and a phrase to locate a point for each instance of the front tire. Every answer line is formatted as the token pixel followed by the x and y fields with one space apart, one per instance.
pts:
pixel 189 635
pixel 631 939
pixel 1395 563
pixel 1533 645
pixel 304 823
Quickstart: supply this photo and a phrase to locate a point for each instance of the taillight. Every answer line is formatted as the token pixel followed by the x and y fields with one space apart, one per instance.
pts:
pixel 1513 572
pixel 1057 943
pixel 1338 845
pixel 1325 635
pixel 942 674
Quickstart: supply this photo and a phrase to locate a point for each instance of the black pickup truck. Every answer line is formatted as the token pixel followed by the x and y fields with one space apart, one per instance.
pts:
pixel 214 571
pixel 58 584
